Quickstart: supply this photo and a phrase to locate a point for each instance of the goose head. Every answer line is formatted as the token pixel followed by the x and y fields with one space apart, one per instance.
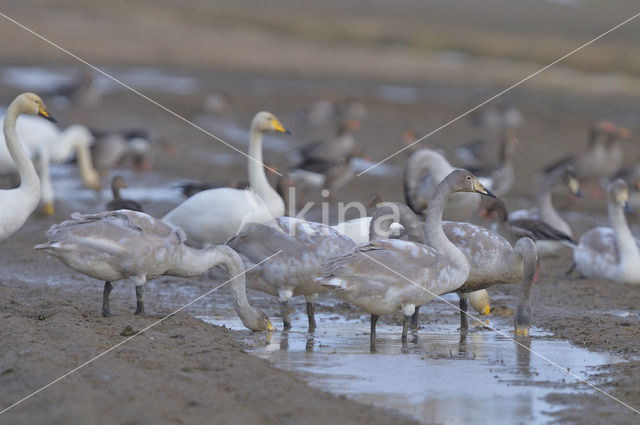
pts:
pixel 463 181
pixel 266 121
pixel 32 104
pixel 618 193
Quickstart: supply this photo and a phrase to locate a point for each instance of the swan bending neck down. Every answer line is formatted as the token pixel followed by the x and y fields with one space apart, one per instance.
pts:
pixel 610 253
pixel 213 216
pixel 115 245
pixel 19 203
pixel 296 250
pixel 522 318
pixel 390 275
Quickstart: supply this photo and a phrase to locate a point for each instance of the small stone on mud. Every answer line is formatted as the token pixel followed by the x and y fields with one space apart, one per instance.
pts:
pixel 128 331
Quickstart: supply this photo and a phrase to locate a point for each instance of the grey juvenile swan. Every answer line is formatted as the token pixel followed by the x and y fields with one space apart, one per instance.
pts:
pixel 115 245
pixel 390 275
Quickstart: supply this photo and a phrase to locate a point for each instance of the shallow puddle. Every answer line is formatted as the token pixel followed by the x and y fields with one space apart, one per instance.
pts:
pixel 438 376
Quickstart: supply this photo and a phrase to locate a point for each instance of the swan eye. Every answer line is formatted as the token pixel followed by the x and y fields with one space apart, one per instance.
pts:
pixel 266 318
pixel 468 177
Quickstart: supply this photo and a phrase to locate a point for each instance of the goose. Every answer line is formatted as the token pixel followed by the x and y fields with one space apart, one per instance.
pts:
pixel 425 169
pixel 19 203
pixel 610 252
pixel 545 210
pixel 50 145
pixel 296 250
pixel 115 245
pixel 390 275
pixel 82 90
pixel 602 157
pixel 117 203
pixel 333 150
pixel 213 216
pixel 512 230
pixel 111 149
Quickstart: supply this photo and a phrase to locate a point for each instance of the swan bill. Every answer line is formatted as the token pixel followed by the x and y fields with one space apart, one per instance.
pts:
pixel 277 126
pixel 480 188
pixel 524 331
pixel 487 310
pixel 574 187
pixel 42 112
pixel 270 327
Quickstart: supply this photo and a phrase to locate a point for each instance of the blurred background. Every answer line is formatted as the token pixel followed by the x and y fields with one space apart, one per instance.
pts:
pixel 408 65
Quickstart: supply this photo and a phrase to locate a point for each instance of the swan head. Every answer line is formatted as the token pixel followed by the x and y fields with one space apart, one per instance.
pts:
pixel 262 323
pixel 463 181
pixel 480 301
pixel 619 194
pixel 522 322
pixel 571 180
pixel 32 104
pixel 266 121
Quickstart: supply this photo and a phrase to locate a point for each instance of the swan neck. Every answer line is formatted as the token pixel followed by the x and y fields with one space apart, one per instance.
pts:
pixel 434 235
pixel 625 241
pixel 257 176
pixel 384 216
pixel 28 176
pixel 85 165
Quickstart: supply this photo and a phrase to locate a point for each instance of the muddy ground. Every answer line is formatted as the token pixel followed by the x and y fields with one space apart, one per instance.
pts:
pixel 186 371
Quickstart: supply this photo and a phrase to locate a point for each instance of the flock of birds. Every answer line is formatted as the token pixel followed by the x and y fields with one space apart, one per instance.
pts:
pixel 407 255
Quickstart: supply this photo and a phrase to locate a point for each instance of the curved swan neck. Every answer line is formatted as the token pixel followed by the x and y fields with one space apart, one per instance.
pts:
pixel 434 235
pixel 528 254
pixel 194 262
pixel 546 211
pixel 627 247
pixel 85 164
pixel 257 176
pixel 28 176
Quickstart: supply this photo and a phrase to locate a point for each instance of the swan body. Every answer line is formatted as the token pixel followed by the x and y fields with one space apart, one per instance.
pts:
pixel 296 250
pixel 44 141
pixel 610 253
pixel 115 245
pixel 424 171
pixel 390 275
pixel 19 203
pixel 213 216
pixel 357 230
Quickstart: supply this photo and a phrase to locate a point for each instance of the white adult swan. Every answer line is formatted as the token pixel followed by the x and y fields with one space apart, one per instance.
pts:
pixel 425 169
pixel 46 143
pixel 296 250
pixel 115 245
pixel 610 253
pixel 390 275
pixel 213 216
pixel 19 203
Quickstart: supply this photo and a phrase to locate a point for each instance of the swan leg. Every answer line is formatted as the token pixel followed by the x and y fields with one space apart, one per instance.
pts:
pixel 284 312
pixel 372 337
pixel 414 318
pixel 405 326
pixel 108 287
pixel 464 324
pixel 139 302
pixel 311 315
